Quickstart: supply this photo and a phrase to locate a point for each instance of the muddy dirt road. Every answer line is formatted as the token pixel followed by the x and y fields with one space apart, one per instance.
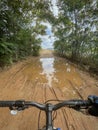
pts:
pixel 44 78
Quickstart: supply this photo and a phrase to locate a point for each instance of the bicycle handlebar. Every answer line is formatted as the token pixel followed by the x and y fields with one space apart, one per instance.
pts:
pixel 91 104
pixel 76 104
pixel 73 104
pixel 22 103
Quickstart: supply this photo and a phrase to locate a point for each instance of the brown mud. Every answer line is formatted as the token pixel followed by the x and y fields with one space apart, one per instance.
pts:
pixel 44 78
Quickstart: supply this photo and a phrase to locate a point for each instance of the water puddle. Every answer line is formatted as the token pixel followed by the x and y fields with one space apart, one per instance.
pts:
pixel 54 72
pixel 48 69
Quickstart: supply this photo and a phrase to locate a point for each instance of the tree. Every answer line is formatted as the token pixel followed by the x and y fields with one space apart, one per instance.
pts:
pixel 76 30
pixel 17 34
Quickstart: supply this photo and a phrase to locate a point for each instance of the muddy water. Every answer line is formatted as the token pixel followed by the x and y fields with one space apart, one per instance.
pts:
pixel 54 72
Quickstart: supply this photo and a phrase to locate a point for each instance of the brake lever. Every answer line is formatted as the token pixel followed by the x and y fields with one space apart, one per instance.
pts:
pixel 93 110
pixel 17 107
pixel 93 99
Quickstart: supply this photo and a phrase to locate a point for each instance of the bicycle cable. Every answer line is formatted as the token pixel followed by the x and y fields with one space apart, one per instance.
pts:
pixel 39 120
pixel 54 114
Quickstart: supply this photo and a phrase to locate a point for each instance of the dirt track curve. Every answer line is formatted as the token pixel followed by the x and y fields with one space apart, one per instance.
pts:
pixel 14 85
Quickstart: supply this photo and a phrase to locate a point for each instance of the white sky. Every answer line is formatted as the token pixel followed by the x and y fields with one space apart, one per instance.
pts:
pixel 48 39
pixel 55 8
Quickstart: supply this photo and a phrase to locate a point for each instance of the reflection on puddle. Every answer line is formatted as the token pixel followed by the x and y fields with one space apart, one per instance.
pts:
pixel 54 72
pixel 48 69
pixel 68 69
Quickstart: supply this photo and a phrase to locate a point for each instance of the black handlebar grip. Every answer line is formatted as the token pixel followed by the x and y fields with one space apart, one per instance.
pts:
pixel 7 103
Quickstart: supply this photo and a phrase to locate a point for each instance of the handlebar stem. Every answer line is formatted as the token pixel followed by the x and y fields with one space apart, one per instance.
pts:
pixel 49 109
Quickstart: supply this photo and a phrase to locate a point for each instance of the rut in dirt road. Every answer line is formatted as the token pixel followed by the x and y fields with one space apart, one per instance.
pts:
pixel 41 79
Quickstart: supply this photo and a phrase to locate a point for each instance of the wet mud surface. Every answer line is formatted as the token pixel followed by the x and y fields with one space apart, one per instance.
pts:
pixel 44 78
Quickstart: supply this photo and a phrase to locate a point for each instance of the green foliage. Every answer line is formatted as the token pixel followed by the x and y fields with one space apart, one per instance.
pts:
pixel 6 52
pixel 18 37
pixel 76 30
pixel 6 48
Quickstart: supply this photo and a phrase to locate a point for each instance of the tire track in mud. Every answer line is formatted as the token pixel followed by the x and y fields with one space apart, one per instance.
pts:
pixel 12 74
pixel 74 88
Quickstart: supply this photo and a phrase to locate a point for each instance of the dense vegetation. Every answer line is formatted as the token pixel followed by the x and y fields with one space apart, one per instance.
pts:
pixel 76 29
pixel 19 28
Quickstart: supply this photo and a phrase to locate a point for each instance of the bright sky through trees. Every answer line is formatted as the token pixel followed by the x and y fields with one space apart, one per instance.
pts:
pixel 48 39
